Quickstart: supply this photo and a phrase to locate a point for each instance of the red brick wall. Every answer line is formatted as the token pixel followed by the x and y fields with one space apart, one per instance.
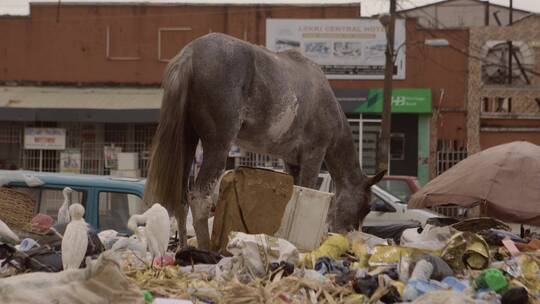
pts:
pixel 40 49
pixel 72 51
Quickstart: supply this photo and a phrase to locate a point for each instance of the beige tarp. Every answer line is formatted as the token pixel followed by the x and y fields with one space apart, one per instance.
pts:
pixel 100 282
pixel 505 179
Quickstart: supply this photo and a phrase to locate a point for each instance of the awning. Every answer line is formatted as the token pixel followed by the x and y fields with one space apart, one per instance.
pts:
pixel 80 104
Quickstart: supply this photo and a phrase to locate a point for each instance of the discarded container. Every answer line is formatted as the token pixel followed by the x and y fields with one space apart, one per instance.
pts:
pixel 455 284
pixel 493 279
pixel 251 200
pixel 28 244
pixel 466 249
pixel 418 283
pixel 510 246
pixel 304 220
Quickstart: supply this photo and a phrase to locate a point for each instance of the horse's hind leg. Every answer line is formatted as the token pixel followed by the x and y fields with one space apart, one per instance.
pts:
pixel 213 164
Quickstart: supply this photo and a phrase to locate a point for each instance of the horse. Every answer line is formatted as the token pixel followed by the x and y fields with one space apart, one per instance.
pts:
pixel 224 91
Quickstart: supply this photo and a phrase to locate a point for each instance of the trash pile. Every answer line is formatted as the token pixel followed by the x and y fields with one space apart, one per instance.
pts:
pixel 285 258
pixel 436 265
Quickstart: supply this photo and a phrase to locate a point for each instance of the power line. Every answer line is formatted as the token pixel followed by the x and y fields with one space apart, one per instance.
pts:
pixel 471 46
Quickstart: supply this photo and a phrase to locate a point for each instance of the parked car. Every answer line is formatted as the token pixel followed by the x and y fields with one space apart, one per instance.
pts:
pixel 386 209
pixel 401 186
pixel 108 201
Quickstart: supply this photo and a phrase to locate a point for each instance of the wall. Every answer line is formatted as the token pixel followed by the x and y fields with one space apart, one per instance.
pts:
pixel 461 14
pixel 73 49
pixel 522 121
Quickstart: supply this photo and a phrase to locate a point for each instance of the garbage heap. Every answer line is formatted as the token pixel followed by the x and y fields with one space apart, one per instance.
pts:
pixel 435 265
pixel 269 245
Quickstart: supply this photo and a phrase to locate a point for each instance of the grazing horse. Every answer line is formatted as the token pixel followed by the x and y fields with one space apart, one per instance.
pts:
pixel 222 90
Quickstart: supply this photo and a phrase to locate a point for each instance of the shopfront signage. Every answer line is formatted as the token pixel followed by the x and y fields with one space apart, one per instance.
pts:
pixel 344 48
pixel 44 139
pixel 371 100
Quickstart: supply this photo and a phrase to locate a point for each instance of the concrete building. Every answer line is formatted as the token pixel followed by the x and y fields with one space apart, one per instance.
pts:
pixel 93 70
pixel 462 14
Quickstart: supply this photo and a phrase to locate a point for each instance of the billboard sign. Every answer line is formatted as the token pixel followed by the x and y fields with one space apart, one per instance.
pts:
pixel 344 48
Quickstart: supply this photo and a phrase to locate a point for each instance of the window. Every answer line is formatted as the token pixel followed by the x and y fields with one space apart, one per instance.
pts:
pixel 397 146
pixel 398 188
pixel 115 209
pixel 49 200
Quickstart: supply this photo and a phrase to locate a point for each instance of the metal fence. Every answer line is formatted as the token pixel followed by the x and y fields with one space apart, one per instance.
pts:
pixel 95 161
pixel 85 143
pixel 449 153
pixel 259 160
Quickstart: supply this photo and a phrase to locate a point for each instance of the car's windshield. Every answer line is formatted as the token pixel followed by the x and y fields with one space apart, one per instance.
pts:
pixel 398 188
pixel 115 209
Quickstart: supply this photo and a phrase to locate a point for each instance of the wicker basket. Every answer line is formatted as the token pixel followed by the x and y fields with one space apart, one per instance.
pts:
pixel 16 208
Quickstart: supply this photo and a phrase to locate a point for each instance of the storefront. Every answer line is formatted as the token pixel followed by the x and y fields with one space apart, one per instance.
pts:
pixel 411 114
pixel 79 130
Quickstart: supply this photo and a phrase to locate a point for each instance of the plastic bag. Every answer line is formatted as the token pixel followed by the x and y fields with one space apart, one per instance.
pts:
pixel 335 246
pixel 430 238
pixel 259 250
pixel 391 255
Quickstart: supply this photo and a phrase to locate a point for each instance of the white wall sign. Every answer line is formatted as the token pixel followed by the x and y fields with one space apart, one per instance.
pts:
pixel 344 48
pixel 70 161
pixel 44 139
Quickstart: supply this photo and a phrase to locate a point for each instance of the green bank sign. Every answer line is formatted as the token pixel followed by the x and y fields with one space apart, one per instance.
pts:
pixel 371 100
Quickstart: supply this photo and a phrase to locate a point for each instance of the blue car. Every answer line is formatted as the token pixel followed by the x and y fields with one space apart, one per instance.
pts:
pixel 109 201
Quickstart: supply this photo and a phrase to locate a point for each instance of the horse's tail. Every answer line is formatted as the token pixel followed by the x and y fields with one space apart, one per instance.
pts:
pixel 174 142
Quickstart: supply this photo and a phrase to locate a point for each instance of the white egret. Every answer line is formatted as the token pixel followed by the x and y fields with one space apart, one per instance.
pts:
pixel 63 212
pixel 75 240
pixel 157 229
pixel 7 235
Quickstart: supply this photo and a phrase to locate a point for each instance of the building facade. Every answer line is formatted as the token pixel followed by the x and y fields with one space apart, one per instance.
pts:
pixel 452 14
pixel 504 93
pixel 93 70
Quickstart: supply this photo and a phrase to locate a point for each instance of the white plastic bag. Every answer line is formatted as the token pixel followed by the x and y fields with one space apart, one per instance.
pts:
pixel 257 251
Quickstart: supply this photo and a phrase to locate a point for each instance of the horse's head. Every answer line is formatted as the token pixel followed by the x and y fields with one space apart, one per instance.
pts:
pixel 352 204
pixel 365 198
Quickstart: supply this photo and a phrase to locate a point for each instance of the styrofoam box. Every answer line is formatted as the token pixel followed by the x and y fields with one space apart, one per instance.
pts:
pixel 304 220
pixel 128 161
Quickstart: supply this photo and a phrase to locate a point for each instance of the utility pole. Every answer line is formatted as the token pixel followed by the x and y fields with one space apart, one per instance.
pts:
pixel 383 150
pixel 510 46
